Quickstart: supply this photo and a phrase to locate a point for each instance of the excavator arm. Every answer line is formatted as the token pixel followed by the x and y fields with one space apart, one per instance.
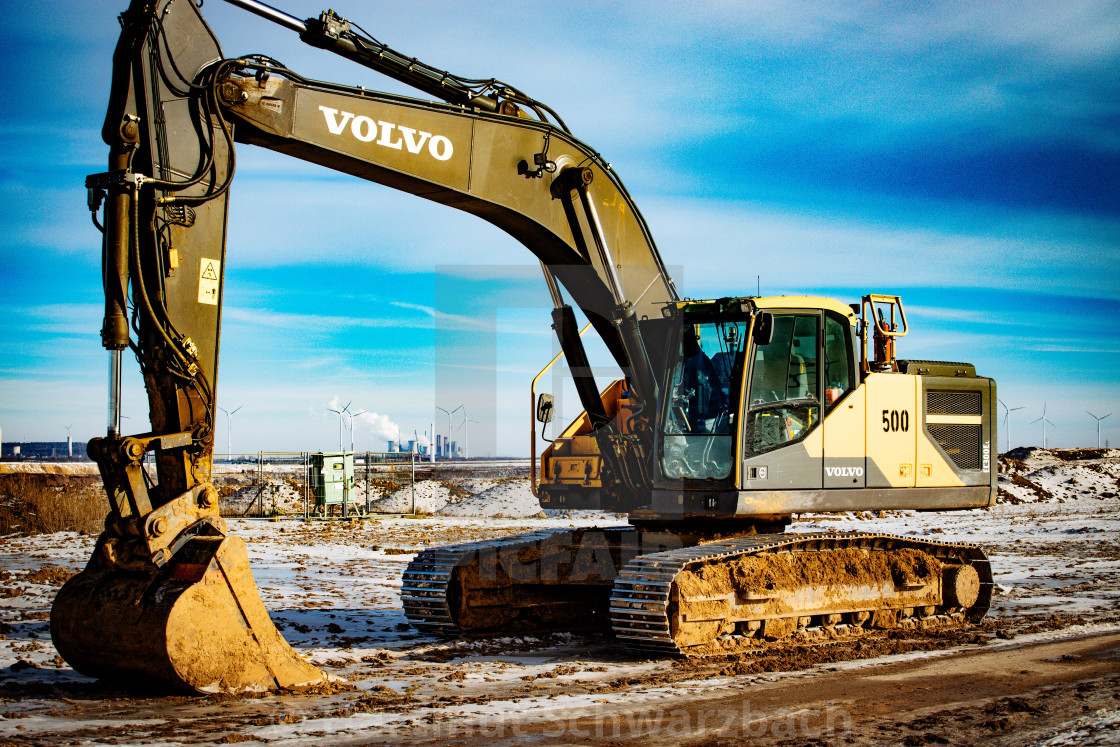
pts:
pixel 171 126
pixel 168 595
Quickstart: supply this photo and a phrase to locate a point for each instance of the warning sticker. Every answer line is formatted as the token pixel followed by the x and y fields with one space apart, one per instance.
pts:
pixel 209 272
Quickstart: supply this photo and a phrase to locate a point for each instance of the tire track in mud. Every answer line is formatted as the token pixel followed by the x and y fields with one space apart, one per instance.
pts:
pixel 94 713
pixel 1008 695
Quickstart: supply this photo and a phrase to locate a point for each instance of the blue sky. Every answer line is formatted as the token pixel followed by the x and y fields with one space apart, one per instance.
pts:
pixel 963 155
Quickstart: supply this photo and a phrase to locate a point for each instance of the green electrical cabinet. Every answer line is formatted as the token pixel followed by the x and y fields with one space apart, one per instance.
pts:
pixel 330 478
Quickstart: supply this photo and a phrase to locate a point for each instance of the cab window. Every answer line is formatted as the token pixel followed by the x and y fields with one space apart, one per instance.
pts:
pixel 702 403
pixel 784 397
pixel 839 361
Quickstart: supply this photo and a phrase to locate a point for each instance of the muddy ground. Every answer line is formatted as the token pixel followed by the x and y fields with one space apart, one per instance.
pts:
pixel 1043 669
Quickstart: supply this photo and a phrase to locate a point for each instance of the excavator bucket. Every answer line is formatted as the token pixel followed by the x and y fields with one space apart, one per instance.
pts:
pixel 197 624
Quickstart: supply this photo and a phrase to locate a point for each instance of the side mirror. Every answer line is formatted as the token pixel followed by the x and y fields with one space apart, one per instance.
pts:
pixel 544 408
pixel 763 328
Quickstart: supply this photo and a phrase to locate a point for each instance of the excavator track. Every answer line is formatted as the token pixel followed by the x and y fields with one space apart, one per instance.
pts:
pixel 427 591
pixel 699 600
pixel 713 598
pixel 545 580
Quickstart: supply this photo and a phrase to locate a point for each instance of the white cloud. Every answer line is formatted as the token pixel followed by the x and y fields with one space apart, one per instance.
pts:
pixel 282 320
pixel 350 221
pixel 724 245
pixel 445 319
pixel 71 319
pixel 971 316
pixel 379 426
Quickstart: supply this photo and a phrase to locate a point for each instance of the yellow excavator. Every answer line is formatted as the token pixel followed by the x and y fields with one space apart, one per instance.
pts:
pixel 731 414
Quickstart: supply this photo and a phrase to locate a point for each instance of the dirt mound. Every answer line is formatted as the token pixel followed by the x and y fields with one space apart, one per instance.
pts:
pixel 476 485
pixel 430 497
pixel 1025 453
pixel 49 468
pixel 508 499
pixel 275 497
pixel 1076 455
pixel 1030 475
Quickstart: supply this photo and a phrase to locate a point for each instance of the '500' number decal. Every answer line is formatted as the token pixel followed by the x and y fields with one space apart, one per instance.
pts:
pixel 896 420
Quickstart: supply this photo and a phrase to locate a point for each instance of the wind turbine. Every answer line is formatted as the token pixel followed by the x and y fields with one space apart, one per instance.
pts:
pixel 229 429
pixel 70 447
pixel 352 416
pixel 1044 423
pixel 467 438
pixel 1094 417
pixel 462 407
pixel 1006 421
pixel 447 446
pixel 341 415
pixel 466 433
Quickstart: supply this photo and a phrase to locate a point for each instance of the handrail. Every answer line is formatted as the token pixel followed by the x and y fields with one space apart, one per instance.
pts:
pixel 533 417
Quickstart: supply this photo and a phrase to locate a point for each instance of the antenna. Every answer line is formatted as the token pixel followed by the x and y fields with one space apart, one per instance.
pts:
pixel 229 429
pixel 1006 421
pixel 1094 417
pixel 1045 421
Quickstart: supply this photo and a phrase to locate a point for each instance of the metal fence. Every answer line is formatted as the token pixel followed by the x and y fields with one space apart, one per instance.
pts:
pixel 275 483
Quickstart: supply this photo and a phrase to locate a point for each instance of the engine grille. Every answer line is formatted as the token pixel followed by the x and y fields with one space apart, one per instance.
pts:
pixel 952 403
pixel 960 442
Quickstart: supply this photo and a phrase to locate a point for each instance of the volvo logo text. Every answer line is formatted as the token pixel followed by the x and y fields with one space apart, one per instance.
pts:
pixel 843 471
pixel 387 134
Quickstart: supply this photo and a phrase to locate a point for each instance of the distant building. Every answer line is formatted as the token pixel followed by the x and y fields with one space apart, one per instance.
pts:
pixel 33 450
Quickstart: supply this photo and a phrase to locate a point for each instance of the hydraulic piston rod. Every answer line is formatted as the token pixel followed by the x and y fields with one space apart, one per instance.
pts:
pixel 332 32
pixel 270 13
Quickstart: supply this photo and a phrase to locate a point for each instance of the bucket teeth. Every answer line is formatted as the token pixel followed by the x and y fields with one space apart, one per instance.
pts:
pixel 196 624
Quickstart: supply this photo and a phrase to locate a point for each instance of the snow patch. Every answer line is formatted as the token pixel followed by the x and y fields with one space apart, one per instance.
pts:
pixel 511 498
pixel 430 496
pixel 1034 475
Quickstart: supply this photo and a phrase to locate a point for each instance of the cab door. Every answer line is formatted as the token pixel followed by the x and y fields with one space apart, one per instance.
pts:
pixel 845 406
pixel 781 434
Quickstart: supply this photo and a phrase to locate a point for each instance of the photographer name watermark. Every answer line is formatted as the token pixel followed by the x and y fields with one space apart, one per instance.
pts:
pixel 616 721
